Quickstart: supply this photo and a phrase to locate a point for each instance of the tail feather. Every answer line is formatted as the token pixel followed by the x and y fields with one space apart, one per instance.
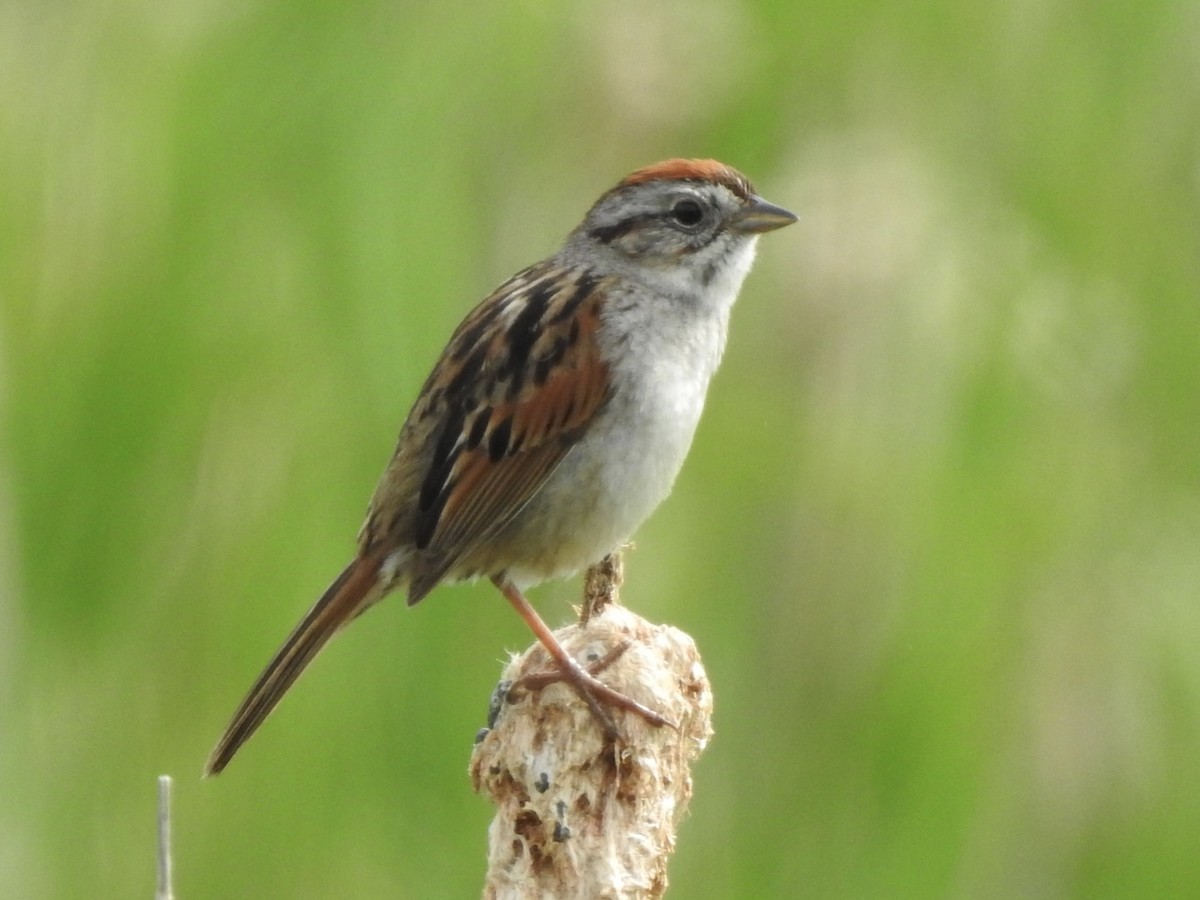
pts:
pixel 350 593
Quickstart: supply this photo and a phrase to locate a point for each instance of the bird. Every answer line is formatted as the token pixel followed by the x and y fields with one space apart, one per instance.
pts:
pixel 555 420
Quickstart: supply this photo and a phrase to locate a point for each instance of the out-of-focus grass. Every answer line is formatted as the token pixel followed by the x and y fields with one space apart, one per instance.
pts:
pixel 937 538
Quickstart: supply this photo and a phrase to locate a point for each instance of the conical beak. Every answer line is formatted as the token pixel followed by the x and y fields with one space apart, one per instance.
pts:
pixel 758 216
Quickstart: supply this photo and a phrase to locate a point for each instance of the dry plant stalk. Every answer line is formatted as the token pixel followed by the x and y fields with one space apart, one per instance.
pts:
pixel 164 890
pixel 576 817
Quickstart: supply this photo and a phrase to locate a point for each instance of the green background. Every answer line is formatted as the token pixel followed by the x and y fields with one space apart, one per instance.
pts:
pixel 938 538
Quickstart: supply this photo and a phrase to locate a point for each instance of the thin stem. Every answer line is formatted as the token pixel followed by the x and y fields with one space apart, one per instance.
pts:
pixel 165 891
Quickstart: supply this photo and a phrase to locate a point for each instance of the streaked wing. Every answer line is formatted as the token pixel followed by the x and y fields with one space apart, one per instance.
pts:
pixel 519 383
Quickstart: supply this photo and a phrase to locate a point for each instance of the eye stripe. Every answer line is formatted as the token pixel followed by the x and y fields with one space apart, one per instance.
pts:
pixel 606 234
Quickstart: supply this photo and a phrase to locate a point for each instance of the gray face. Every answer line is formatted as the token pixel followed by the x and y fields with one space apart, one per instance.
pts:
pixel 662 224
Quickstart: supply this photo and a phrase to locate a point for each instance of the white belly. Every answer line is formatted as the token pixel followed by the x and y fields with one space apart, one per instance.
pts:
pixel 624 466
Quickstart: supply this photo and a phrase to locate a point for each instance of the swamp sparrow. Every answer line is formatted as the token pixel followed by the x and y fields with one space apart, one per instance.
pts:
pixel 555 420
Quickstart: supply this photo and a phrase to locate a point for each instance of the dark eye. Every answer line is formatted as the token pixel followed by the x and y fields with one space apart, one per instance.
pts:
pixel 687 213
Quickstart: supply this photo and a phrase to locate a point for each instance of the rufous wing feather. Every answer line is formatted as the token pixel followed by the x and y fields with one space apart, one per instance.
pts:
pixel 504 433
pixel 350 593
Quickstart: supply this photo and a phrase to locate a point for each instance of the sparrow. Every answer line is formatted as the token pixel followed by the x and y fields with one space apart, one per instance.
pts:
pixel 556 419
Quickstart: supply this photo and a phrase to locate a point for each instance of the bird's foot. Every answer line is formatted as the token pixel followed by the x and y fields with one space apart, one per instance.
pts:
pixel 597 695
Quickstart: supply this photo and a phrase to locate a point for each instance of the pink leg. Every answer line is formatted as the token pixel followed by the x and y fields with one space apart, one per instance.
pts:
pixel 585 684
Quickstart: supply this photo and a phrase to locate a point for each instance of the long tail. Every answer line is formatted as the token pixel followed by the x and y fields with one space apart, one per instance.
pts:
pixel 349 594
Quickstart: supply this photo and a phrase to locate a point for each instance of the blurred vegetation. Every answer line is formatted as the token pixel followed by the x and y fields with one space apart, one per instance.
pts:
pixel 938 537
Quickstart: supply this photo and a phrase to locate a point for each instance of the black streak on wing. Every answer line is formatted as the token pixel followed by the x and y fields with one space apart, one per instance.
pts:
pixel 526 327
pixel 434 488
pixel 498 441
pixel 583 289
pixel 468 374
pixel 478 427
